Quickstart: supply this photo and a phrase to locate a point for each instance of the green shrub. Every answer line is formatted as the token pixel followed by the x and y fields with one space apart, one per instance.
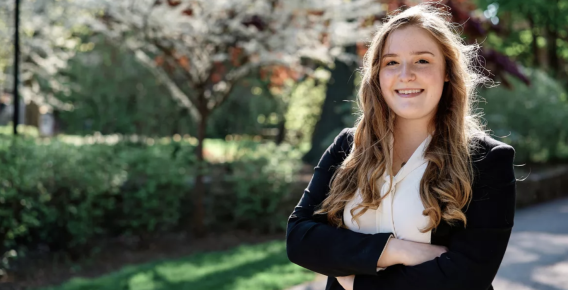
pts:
pixel 65 195
pixel 156 182
pixel 252 188
pixel 81 183
pixel 16 216
pixel 56 192
pixel 534 119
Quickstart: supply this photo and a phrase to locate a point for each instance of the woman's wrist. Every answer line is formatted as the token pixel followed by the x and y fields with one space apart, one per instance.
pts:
pixel 409 253
pixel 392 254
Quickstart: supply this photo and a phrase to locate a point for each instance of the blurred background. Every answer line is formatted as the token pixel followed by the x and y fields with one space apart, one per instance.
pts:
pixel 162 144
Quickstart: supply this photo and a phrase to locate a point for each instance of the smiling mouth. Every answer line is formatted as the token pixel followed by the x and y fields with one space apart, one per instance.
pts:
pixel 409 93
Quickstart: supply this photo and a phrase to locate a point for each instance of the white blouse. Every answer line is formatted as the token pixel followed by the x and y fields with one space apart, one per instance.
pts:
pixel 400 212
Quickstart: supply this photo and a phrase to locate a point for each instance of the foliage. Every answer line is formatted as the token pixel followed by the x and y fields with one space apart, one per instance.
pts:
pixel 260 179
pixel 532 118
pixel 112 93
pixel 64 194
pixel 242 113
pixel 202 49
pixel 263 266
pixel 6 51
pixel 25 130
pixel 337 109
pixel 533 32
pixel 53 193
pixel 49 38
pixel 304 109
pixel 156 179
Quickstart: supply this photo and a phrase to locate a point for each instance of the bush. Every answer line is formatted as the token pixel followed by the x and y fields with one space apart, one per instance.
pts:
pixel 157 179
pixel 532 118
pixel 253 188
pixel 65 195
pixel 56 192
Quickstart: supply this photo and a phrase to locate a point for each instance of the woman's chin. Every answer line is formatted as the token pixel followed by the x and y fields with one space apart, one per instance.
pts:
pixel 408 115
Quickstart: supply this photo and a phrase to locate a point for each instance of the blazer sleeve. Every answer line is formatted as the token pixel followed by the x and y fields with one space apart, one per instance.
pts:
pixel 475 252
pixel 314 244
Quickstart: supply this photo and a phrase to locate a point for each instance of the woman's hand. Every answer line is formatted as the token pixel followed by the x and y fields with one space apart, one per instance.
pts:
pixel 400 252
pixel 408 253
pixel 414 253
pixel 346 282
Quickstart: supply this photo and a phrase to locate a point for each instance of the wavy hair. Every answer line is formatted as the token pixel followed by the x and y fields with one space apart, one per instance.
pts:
pixel 446 186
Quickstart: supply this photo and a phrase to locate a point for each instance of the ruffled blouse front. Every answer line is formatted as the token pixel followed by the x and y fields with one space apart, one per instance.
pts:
pixel 400 211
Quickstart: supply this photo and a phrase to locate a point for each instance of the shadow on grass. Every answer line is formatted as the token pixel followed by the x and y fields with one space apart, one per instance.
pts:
pixel 263 266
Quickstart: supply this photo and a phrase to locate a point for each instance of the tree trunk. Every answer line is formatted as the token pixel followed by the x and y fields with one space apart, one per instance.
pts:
pixel 180 114
pixel 553 51
pixel 334 109
pixel 281 136
pixel 199 189
pixel 534 43
pixel 552 40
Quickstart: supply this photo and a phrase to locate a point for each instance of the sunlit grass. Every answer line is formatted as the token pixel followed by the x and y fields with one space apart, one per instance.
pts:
pixel 263 266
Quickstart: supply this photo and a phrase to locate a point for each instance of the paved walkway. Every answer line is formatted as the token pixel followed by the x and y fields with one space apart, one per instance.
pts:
pixel 537 255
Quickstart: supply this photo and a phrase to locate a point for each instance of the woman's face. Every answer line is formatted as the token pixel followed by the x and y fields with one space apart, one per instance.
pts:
pixel 412 73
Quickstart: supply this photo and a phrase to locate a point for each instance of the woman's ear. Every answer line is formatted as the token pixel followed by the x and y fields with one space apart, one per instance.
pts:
pixel 447 79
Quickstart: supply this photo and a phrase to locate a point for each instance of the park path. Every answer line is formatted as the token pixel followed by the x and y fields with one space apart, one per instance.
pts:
pixel 537 255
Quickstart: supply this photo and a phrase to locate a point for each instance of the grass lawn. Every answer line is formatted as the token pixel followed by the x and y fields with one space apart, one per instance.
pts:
pixel 262 266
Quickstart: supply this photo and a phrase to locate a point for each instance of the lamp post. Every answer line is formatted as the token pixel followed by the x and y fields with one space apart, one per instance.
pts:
pixel 16 66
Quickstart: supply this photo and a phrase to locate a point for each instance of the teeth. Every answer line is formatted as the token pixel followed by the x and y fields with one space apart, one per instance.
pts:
pixel 406 92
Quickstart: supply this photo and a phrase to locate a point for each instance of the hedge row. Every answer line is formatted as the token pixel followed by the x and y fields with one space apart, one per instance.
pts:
pixel 65 195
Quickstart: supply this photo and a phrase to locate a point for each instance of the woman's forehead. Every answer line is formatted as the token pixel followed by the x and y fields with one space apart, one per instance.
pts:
pixel 410 40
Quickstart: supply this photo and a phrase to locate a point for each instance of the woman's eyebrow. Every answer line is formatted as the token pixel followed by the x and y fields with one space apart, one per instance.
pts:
pixel 413 53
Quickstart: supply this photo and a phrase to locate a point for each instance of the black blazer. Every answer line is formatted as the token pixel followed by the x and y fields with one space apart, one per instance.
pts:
pixel 474 253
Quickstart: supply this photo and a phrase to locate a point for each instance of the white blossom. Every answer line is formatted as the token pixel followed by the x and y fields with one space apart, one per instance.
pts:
pixel 242 35
pixel 47 42
pixel 204 32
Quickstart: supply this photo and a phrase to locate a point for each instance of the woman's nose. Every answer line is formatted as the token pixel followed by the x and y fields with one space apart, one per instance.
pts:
pixel 406 73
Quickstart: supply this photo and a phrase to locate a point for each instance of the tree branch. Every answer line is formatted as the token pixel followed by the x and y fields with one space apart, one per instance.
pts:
pixel 176 92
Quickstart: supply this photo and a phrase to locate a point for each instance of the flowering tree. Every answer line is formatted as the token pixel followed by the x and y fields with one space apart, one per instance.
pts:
pixel 48 39
pixel 202 49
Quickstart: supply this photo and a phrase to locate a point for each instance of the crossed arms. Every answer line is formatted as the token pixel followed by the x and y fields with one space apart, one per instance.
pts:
pixel 474 253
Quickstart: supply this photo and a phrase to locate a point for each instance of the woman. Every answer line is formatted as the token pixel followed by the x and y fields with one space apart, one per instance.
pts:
pixel 416 195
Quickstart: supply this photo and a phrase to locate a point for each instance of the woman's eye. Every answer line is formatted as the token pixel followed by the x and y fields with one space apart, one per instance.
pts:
pixel 391 62
pixel 423 61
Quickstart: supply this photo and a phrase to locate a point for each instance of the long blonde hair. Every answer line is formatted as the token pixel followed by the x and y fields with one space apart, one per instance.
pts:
pixel 445 188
